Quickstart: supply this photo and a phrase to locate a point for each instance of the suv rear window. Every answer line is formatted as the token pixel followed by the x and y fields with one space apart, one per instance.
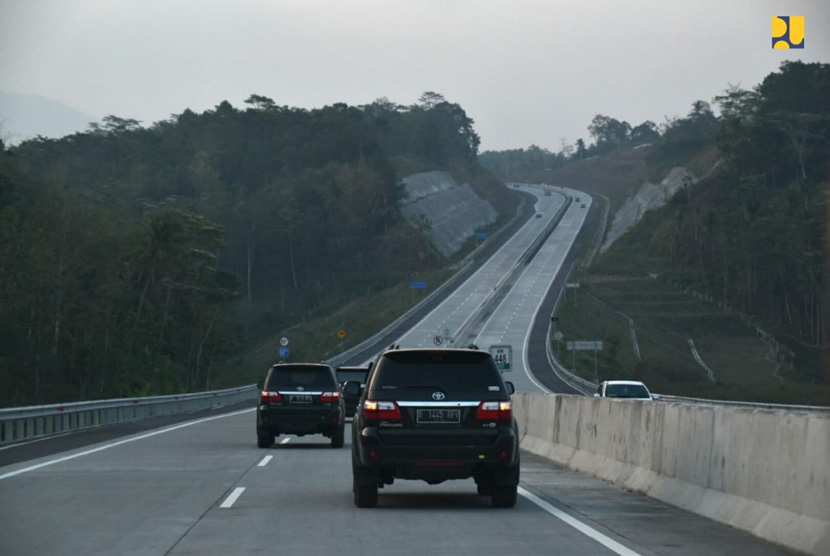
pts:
pixel 310 377
pixel 459 374
pixel 345 375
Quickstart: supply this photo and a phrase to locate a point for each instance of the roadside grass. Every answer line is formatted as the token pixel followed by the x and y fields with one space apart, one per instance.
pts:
pixel 664 320
pixel 317 338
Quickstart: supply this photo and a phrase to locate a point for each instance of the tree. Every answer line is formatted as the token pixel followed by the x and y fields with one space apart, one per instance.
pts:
pixel 644 133
pixel 580 149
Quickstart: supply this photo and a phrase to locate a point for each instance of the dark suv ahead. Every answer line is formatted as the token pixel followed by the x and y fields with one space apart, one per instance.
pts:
pixel 300 398
pixel 434 415
pixel 346 374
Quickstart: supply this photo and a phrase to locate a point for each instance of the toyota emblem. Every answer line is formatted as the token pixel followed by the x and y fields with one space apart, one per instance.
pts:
pixel 438 396
pixel 300 389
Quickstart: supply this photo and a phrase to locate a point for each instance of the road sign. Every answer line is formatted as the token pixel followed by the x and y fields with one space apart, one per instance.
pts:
pixel 438 340
pixel 341 333
pixel 584 345
pixel 283 341
pixel 418 285
pixel 503 356
pixel 481 235
pixel 284 351
pixel 558 336
pixel 572 285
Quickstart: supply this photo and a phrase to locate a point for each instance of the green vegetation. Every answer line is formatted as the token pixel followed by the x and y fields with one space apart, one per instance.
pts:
pixel 152 260
pixel 739 258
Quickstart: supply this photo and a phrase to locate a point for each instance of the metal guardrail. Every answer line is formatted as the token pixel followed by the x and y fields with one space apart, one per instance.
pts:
pixel 25 423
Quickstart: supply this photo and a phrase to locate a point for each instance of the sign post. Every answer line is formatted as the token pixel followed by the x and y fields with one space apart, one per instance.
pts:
pixel 585 345
pixel 503 356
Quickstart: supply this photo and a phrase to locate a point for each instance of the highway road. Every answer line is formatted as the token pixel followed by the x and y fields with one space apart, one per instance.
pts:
pixel 448 318
pixel 202 487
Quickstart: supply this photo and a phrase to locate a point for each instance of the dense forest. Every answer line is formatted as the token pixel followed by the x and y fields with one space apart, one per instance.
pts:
pixel 134 260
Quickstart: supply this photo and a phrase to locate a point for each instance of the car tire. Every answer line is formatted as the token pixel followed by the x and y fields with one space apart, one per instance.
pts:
pixel 264 441
pixel 338 437
pixel 504 496
pixel 364 487
pixel 485 487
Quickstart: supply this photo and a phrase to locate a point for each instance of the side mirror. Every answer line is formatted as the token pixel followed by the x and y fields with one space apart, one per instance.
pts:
pixel 511 389
pixel 655 396
pixel 596 395
pixel 352 388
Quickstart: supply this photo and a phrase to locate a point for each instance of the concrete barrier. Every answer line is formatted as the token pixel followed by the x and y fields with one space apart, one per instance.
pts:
pixel 759 470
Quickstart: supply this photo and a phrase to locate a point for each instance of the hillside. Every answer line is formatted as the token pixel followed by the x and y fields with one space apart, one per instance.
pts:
pixel 721 292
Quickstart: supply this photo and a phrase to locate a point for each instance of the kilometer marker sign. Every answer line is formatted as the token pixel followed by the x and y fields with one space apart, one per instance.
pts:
pixel 503 356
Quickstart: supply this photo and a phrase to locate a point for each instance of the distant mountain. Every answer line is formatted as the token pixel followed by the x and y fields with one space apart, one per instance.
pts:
pixel 26 116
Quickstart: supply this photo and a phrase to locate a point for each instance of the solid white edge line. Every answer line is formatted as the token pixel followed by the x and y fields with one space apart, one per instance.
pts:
pixel 119 443
pixel 586 530
pixel 264 461
pixel 232 497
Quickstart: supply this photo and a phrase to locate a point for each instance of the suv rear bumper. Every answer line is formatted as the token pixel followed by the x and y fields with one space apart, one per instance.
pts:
pixel 436 462
pixel 277 420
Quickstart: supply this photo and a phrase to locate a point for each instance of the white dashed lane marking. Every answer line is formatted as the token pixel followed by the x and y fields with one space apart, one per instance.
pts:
pixel 232 497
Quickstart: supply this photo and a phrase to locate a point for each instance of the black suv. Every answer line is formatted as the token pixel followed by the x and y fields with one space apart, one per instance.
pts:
pixel 300 398
pixel 434 415
pixel 346 374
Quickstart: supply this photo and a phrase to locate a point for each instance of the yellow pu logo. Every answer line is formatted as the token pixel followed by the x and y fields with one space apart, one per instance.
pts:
pixel 788 31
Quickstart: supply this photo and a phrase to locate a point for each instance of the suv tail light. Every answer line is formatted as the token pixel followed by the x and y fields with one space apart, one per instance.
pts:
pixel 270 397
pixel 495 411
pixel 381 411
pixel 330 397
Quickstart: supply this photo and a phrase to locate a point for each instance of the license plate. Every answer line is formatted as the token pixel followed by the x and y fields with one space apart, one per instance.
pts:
pixel 439 416
pixel 301 398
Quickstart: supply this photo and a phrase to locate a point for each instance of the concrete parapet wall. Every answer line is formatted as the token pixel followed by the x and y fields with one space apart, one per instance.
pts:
pixel 767 472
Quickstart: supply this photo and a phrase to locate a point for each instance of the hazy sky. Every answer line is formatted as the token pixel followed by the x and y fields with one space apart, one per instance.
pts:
pixel 528 72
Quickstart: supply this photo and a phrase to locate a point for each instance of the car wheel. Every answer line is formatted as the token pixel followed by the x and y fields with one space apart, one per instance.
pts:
pixel 364 487
pixel 504 496
pixel 264 441
pixel 485 487
pixel 337 438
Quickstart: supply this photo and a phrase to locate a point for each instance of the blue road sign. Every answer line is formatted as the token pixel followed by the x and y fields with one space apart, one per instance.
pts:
pixel 284 351
pixel 418 285
pixel 481 235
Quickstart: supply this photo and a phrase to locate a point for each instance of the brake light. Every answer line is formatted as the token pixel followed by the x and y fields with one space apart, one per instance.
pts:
pixel 271 397
pixel 330 397
pixel 381 411
pixel 495 411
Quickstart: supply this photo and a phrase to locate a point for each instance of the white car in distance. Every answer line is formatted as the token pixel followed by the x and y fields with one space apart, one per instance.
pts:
pixel 624 389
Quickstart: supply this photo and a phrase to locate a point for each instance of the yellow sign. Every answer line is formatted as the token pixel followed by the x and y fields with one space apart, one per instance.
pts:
pixel 341 333
pixel 788 31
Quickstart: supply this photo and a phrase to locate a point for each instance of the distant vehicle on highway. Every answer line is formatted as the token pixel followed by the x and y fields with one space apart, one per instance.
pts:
pixel 583 205
pixel 538 215
pixel 354 374
pixel 435 415
pixel 300 398
pixel 628 389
